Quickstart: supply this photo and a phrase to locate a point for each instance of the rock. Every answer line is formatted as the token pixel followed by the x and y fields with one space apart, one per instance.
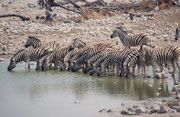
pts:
pixel 135 106
pixel 109 110
pixel 124 112
pixel 1 59
pixel 177 108
pixel 130 109
pixel 162 110
pixel 156 8
pixel 138 111
pixel 102 110
pixel 154 108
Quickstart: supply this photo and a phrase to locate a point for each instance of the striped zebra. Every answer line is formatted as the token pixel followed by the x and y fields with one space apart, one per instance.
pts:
pixel 39 65
pixel 130 41
pixel 68 57
pixel 97 64
pixel 56 57
pixel 114 59
pixel 160 56
pixel 77 43
pixel 94 58
pixel 35 43
pixel 85 55
pixel 26 55
pixel 177 33
pixel 130 63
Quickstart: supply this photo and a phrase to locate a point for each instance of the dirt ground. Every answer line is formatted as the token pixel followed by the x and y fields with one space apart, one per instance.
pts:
pixel 160 28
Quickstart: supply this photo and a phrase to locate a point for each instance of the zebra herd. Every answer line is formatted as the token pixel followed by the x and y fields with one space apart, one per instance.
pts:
pixel 100 58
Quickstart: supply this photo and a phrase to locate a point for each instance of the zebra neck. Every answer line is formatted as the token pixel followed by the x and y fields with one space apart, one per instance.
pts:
pixel 122 36
pixel 37 44
pixel 19 58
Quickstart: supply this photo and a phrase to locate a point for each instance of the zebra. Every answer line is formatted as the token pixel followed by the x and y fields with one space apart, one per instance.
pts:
pixel 35 43
pixel 68 57
pixel 97 64
pixel 94 58
pixel 77 43
pixel 26 55
pixel 130 41
pixel 41 61
pixel 56 57
pixel 177 33
pixel 88 54
pixel 130 62
pixel 160 56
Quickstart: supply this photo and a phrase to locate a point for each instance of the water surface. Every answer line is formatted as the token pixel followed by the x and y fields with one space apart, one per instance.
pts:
pixel 65 94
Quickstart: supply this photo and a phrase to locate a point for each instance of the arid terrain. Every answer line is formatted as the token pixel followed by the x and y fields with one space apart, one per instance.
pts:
pixel 160 28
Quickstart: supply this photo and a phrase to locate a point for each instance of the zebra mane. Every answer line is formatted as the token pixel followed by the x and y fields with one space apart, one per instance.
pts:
pixel 33 38
pixel 121 29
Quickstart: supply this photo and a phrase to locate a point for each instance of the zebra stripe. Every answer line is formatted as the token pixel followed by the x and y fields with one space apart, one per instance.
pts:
pixel 35 43
pixel 56 57
pixel 129 41
pixel 26 55
pixel 85 55
pixel 160 56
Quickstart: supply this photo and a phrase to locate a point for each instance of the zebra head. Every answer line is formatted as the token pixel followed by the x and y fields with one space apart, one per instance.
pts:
pixel 118 31
pixel 18 57
pixel 12 65
pixel 47 62
pixel 92 70
pixel 32 41
pixel 77 43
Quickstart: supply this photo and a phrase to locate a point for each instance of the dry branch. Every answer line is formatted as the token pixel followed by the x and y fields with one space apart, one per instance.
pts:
pixel 15 15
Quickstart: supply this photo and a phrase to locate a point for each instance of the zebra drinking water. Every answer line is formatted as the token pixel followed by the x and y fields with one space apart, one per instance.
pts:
pixel 26 55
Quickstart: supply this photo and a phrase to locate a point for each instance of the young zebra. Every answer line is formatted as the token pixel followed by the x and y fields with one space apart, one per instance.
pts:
pixel 160 56
pixel 177 33
pixel 35 43
pixel 129 41
pixel 26 55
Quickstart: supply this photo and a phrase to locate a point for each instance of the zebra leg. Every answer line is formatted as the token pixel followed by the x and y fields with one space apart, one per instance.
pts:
pixel 154 70
pixel 177 63
pixel 27 64
pixel 138 70
pixel 161 70
pixel 174 67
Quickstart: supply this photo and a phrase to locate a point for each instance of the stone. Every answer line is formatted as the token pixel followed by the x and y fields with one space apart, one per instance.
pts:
pixel 124 112
pixel 109 110
pixel 162 110
pixel 138 111
pixel 135 106
pixel 154 108
pixel 130 109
